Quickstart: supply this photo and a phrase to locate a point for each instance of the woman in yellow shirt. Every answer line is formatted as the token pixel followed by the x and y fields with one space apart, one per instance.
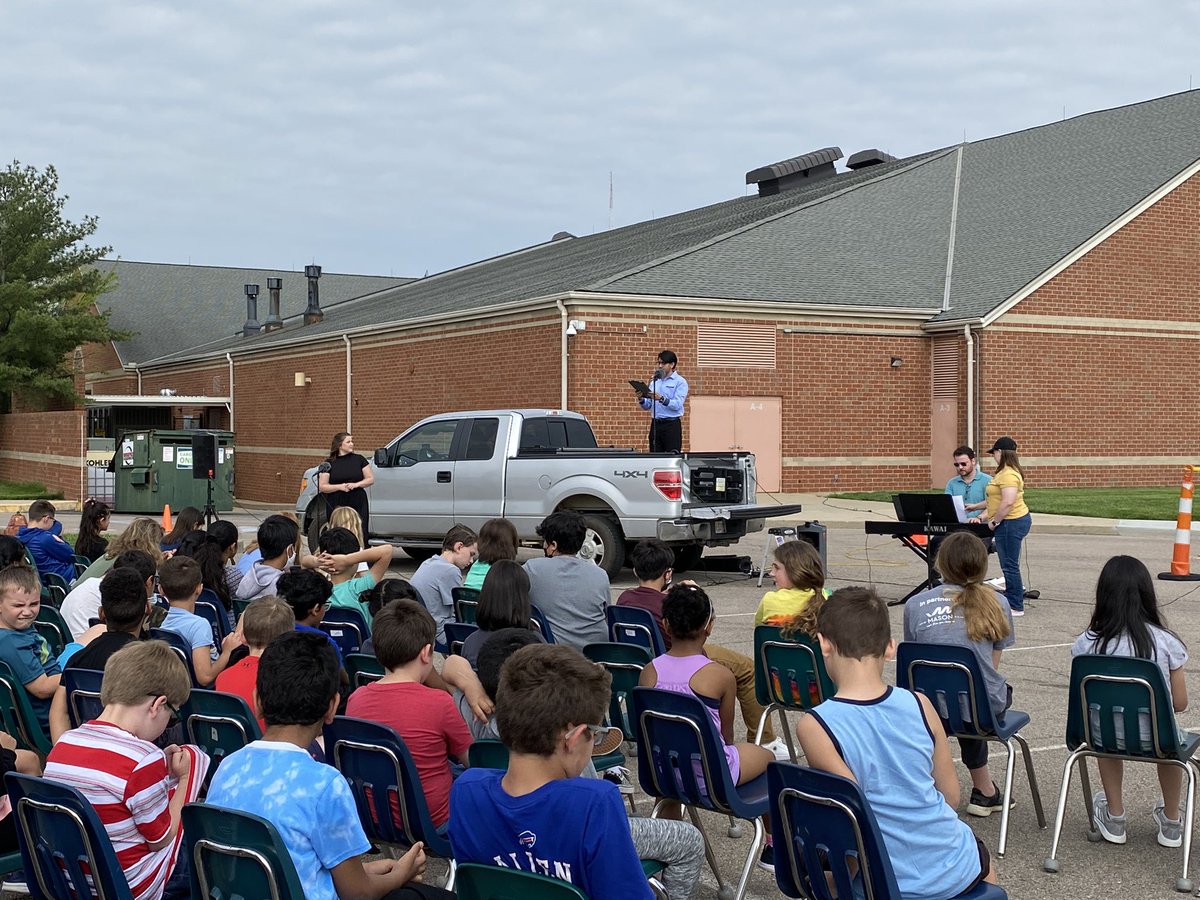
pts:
pixel 1009 518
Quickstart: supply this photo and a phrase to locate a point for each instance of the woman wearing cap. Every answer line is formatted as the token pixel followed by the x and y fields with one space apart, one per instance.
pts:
pixel 1009 518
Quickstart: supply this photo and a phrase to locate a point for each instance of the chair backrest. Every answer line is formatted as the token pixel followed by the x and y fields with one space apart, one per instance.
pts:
pixel 1120 704
pixel 64 847
pixel 630 625
pixel 50 625
pixel 384 781
pixel 789 671
pixel 81 560
pixel 538 622
pixel 347 627
pixel 819 821
pixel 466 601
pixel 209 605
pixel 680 754
pixel 456 635
pixel 182 649
pixel 624 663
pixel 488 754
pixel 17 715
pixel 362 668
pixel 239 607
pixel 53 595
pixel 482 882
pixel 218 723
pixel 237 854
pixel 53 579
pixel 950 677
pixel 83 694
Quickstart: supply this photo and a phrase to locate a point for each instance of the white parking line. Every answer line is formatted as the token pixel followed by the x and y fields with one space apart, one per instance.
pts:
pixel 1038 647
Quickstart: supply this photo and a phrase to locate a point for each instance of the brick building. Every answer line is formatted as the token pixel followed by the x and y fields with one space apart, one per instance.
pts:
pixel 850 325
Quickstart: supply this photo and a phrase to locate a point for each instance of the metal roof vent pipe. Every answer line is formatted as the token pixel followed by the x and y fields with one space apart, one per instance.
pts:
pixel 313 314
pixel 251 326
pixel 274 322
pixel 794 172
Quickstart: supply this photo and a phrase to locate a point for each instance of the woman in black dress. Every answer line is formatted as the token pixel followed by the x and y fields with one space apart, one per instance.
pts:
pixel 343 477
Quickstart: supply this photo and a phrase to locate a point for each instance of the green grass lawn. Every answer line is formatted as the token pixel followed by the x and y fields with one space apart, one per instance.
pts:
pixel 27 490
pixel 1105 503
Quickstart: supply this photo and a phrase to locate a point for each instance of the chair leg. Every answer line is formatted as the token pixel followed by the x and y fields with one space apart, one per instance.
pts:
pixel 724 892
pixel 787 733
pixel 657 889
pixel 751 858
pixel 762 722
pixel 1006 797
pixel 1033 782
pixel 450 876
pixel 1050 864
pixel 1185 885
pixel 1093 831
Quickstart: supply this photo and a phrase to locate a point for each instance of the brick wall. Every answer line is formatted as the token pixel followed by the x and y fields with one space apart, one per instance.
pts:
pixel 43 447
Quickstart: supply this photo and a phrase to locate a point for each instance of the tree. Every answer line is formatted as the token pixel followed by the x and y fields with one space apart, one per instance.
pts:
pixel 49 284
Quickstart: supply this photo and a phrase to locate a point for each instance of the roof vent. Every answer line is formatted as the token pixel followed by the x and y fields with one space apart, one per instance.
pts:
pixel 795 171
pixel 864 158
pixel 562 236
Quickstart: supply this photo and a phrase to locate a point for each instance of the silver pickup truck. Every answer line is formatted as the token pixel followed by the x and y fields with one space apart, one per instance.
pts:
pixel 524 464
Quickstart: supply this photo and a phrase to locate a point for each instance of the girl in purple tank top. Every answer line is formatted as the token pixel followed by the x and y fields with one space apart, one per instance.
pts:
pixel 685 669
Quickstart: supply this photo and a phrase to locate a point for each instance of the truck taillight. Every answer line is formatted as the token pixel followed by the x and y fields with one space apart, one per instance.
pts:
pixel 669 483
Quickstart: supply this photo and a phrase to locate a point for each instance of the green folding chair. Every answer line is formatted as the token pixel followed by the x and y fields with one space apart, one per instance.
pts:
pixel 362 668
pixel 51 625
pixel 624 662
pixel 480 882
pixel 237 854
pixel 789 674
pixel 17 715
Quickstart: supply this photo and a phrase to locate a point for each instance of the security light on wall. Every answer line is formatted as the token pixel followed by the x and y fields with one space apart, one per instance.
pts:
pixel 575 326
pixel 302 379
pixel 896 362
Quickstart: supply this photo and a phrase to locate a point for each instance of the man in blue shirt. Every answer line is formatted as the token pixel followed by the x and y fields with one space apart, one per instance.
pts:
pixel 668 391
pixel 968 482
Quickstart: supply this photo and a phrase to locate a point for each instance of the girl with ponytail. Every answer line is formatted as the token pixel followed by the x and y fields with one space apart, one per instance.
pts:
pixel 966 612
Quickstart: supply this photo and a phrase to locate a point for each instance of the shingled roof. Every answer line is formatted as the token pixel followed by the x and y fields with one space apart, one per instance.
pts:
pixel 171 308
pixel 878 236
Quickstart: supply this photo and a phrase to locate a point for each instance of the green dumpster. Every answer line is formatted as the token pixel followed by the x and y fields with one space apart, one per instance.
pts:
pixel 154 468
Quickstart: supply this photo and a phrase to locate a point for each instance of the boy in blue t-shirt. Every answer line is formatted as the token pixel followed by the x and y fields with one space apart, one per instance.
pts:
pixel 892 743
pixel 539 816
pixel 21 647
pixel 309 803
pixel 341 555
pixel 180 582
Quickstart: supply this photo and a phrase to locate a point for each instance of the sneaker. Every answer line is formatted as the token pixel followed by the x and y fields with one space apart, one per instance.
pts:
pixel 20 886
pixel 1017 613
pixel 1170 831
pixel 609 741
pixel 766 859
pixel 619 775
pixel 997 582
pixel 780 749
pixel 1112 828
pixel 980 805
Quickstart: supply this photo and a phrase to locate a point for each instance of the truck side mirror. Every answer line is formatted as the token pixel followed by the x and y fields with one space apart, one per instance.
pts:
pixel 381 458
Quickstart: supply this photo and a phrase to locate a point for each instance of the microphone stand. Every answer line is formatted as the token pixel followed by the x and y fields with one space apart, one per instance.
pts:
pixel 658 373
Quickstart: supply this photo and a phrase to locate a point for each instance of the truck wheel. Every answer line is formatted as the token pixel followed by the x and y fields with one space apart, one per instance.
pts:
pixel 419 554
pixel 687 557
pixel 603 544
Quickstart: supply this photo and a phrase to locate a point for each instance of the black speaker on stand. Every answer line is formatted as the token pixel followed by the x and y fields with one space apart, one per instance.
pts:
pixel 204 465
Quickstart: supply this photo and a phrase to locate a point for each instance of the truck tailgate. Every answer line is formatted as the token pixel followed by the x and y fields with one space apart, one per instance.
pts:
pixel 705 511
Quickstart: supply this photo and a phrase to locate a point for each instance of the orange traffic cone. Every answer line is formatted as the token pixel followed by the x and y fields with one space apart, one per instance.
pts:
pixel 1181 558
pixel 166 519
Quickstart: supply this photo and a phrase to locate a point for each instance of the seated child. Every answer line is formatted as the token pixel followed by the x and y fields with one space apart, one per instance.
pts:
pixel 1126 622
pixel 688 618
pixel 891 742
pixel 264 620
pixel 51 554
pixel 297 694
pixel 341 555
pixel 278 548
pixel 138 789
pixel 180 582
pixel 539 816
pixel 381 595
pixel 26 651
pixel 347 517
pixel 799 576
pixel 123 607
pixel 437 577
pixel 308 593
pixel 425 717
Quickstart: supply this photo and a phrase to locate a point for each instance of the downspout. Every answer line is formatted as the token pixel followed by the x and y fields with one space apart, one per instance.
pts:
pixel 138 369
pixel 349 383
pixel 229 359
pixel 970 384
pixel 562 336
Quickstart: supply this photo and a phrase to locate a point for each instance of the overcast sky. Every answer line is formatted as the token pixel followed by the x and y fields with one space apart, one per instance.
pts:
pixel 391 137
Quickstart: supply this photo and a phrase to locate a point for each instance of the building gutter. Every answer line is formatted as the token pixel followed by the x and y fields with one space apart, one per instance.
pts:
pixel 778 309
pixel 349 385
pixel 970 382
pixel 562 336
pixel 228 359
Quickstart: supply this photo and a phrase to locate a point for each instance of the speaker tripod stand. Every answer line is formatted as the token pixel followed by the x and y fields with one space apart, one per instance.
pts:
pixel 210 512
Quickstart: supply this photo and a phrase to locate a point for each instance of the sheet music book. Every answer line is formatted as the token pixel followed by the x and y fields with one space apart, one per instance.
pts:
pixel 960 508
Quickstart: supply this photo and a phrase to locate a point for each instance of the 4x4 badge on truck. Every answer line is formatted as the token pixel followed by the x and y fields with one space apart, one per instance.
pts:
pixel 626 473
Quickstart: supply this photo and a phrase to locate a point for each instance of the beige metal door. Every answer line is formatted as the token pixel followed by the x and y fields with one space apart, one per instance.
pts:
pixel 741 423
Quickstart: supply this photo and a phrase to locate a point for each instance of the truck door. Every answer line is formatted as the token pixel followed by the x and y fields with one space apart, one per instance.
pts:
pixel 479 471
pixel 414 495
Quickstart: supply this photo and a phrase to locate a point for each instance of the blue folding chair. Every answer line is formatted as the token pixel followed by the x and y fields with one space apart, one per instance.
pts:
pixel 466 601
pixel 681 757
pixel 1119 707
pixel 456 635
pixel 17 716
pixel 630 625
pixel 83 694
pixel 347 627
pixel 65 850
pixel 789 674
pixel 539 623
pixel 181 648
pixel 218 723
pixel 820 822
pixel 386 786
pixel 952 680
pixel 237 854
pixel 212 610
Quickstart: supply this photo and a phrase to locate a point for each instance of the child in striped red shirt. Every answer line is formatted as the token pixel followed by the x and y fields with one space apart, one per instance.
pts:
pixel 137 789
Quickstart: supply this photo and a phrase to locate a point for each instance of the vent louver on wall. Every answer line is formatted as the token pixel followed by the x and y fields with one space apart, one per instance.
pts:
pixel 945 368
pixel 744 346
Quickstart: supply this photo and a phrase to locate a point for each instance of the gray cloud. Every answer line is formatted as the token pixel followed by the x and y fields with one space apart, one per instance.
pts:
pixel 376 137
